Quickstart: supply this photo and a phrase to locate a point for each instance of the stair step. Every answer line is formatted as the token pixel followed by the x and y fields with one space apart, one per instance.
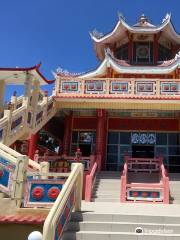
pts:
pixel 98 235
pixel 123 227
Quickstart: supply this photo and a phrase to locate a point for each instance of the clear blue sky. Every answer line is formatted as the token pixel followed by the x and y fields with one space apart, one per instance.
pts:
pixel 56 32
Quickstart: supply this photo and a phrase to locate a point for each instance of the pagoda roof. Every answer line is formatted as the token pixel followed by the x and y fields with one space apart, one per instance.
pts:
pixel 142 27
pixel 121 66
pixel 18 76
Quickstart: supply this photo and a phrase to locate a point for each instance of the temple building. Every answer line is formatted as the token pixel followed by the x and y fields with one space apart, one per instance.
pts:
pixel 110 137
pixel 130 102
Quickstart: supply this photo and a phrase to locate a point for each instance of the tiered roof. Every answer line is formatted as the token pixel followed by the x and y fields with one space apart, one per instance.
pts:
pixel 142 27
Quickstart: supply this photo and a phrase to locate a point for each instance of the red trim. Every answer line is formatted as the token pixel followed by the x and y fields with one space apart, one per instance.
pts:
pixel 36 68
pixel 114 97
pixel 137 124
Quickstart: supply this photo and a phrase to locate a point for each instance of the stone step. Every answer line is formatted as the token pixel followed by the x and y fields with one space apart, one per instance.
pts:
pixel 103 217
pixel 123 227
pixel 106 194
pixel 97 235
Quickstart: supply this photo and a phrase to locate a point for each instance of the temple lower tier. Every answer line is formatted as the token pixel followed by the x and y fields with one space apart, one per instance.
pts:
pixel 112 134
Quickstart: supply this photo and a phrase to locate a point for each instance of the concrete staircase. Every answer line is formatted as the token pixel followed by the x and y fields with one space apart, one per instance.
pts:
pixel 116 221
pixel 107 187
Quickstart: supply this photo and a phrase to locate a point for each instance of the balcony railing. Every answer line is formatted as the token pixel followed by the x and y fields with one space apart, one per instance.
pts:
pixel 118 88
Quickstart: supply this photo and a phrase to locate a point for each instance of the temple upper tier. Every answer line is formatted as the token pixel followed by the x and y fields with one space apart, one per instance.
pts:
pixel 140 44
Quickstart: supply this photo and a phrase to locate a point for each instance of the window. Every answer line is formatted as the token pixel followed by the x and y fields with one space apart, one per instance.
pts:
pixel 143 52
pixel 122 52
pixel 163 53
pixel 161 139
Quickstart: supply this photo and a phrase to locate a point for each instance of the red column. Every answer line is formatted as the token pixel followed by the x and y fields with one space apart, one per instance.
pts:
pixel 32 145
pixel 155 49
pixel 101 135
pixel 67 134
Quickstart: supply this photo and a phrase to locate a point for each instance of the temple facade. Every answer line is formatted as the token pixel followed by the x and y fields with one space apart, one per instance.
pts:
pixel 130 102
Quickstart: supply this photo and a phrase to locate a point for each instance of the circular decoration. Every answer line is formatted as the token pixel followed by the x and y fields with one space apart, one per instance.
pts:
pixel 66 86
pixel 135 138
pixel 154 194
pixel 173 88
pixel 116 87
pixel 91 86
pixel 38 193
pixel 135 194
pixel 1 173
pixel 73 86
pixel 123 87
pixel 144 194
pixel 166 88
pixel 151 138
pixel 142 52
pixel 53 193
pixel 143 138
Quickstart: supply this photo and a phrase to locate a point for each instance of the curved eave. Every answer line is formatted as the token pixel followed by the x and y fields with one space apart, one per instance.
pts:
pixel 17 76
pixel 109 62
pixel 145 30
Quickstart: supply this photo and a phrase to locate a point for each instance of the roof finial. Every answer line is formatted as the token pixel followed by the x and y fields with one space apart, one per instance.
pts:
pixel 121 16
pixel 168 16
pixel 143 19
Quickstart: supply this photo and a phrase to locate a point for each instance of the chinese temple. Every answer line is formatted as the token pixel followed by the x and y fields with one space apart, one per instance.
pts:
pixel 130 102
pixel 100 157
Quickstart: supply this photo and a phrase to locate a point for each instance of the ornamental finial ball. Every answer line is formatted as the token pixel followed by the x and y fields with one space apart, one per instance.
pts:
pixel 35 236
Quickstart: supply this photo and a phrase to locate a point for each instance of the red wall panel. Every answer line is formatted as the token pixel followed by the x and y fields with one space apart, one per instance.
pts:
pixel 84 123
pixel 144 124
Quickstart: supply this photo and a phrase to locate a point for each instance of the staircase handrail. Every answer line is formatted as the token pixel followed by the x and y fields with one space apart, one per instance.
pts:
pixel 90 178
pixel 124 180
pixel 71 194
pixel 165 182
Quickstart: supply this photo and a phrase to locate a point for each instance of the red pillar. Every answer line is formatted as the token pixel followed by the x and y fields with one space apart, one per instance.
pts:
pixel 101 135
pixel 32 145
pixel 67 134
pixel 155 49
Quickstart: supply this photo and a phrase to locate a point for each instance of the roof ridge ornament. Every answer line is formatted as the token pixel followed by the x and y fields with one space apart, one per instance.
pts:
pixel 66 73
pixel 97 34
pixel 168 16
pixel 121 16
pixel 177 56
pixel 108 52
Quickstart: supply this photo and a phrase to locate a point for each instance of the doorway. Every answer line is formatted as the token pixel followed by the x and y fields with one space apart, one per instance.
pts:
pixel 85 149
pixel 142 151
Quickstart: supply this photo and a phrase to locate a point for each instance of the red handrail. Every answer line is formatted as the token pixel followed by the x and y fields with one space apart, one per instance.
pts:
pixel 90 182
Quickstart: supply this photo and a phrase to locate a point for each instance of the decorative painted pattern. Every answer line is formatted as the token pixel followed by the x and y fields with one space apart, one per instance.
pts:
pixel 65 216
pixel 169 88
pixel 143 167
pixel 95 86
pixel 145 87
pixel 69 86
pixel 16 123
pixel 42 192
pixel 6 177
pixel 148 195
pixel 143 138
pixel 119 87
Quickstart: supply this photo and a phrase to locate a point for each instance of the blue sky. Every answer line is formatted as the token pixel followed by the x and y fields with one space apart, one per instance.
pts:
pixel 56 32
